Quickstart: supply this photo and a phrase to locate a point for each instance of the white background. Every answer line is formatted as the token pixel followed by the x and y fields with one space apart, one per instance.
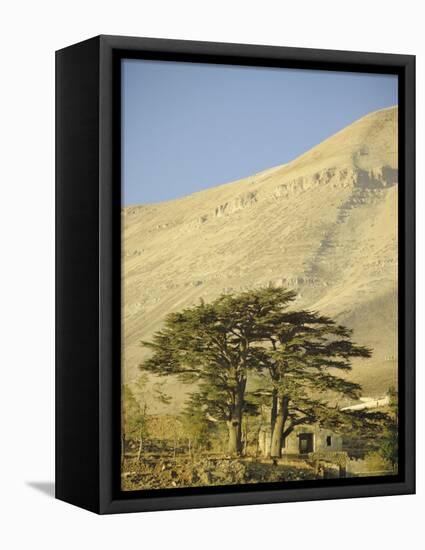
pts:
pixel 30 32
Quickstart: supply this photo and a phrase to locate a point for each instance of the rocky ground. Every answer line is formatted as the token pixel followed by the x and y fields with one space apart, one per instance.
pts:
pixel 160 473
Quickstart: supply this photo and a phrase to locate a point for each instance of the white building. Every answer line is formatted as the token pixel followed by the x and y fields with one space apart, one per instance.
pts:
pixel 313 439
pixel 303 440
pixel 369 403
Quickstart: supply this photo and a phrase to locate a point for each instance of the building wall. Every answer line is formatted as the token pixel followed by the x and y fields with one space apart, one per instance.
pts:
pixel 320 442
pixel 292 445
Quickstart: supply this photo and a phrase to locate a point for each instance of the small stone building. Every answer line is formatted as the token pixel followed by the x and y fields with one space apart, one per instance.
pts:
pixel 303 440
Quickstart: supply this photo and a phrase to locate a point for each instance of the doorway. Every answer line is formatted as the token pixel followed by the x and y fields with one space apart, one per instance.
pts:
pixel 306 443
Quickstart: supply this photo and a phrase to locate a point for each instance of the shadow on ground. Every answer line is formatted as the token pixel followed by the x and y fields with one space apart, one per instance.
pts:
pixel 46 487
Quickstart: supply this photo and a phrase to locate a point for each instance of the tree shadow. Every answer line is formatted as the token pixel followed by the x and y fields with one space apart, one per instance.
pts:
pixel 46 487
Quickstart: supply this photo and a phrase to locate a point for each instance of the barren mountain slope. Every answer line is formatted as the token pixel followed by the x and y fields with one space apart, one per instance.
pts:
pixel 324 224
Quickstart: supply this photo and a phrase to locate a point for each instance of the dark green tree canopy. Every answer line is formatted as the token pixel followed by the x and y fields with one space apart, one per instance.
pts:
pixel 297 355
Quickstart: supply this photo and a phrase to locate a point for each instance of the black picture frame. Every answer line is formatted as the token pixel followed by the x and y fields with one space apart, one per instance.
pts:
pixel 88 272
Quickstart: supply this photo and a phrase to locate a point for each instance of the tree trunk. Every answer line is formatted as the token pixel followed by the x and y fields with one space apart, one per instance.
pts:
pixel 235 431
pixel 122 448
pixel 235 423
pixel 139 454
pixel 232 445
pixel 276 441
pixel 273 412
pixel 257 442
pixel 235 434
pixel 273 416
pixel 277 434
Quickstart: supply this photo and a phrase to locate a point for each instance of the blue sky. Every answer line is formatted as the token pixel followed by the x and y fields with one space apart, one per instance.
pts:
pixel 190 126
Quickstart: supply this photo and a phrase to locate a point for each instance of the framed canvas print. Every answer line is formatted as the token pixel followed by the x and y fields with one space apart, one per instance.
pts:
pixel 235 274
